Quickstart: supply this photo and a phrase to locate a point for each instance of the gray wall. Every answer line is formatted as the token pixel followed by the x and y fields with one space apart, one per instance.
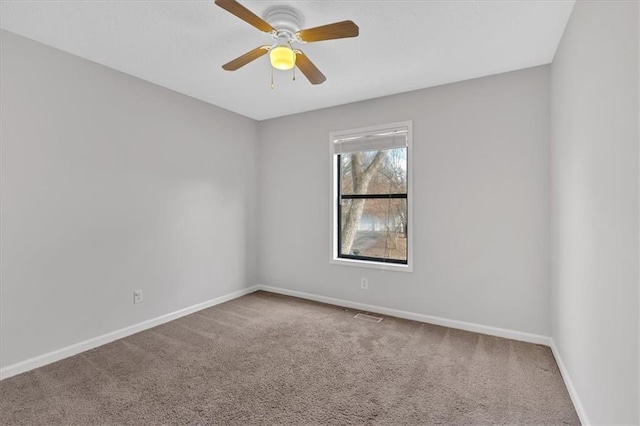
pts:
pixel 595 207
pixel 481 202
pixel 111 184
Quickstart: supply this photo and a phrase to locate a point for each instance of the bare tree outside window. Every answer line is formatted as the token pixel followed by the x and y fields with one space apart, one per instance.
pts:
pixel 373 205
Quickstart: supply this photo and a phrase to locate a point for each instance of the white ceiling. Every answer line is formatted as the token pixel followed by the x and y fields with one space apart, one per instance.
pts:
pixel 403 45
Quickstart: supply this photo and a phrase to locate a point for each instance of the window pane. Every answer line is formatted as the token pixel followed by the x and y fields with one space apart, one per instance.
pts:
pixel 374 228
pixel 386 172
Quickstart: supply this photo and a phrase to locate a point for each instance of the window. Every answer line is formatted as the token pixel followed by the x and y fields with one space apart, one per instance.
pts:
pixel 371 197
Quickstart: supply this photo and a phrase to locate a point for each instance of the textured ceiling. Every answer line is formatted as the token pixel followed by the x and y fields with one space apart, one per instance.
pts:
pixel 403 45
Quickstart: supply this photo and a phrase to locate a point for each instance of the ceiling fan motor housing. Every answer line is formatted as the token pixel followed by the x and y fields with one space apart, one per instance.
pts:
pixel 286 20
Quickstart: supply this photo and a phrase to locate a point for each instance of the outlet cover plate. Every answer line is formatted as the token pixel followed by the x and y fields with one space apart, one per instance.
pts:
pixel 364 283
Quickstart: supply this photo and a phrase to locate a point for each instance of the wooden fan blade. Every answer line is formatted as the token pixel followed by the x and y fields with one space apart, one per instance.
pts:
pixel 243 60
pixel 342 29
pixel 235 8
pixel 309 70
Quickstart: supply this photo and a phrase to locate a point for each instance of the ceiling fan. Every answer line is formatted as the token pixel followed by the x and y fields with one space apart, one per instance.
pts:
pixel 284 29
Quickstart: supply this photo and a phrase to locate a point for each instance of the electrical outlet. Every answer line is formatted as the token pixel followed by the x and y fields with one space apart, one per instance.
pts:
pixel 364 283
pixel 137 296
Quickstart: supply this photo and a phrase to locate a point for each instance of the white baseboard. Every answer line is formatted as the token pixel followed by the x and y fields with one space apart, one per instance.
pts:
pixel 461 325
pixel 573 393
pixel 48 358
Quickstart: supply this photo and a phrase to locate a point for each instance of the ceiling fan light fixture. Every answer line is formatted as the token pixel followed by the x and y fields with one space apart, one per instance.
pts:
pixel 282 58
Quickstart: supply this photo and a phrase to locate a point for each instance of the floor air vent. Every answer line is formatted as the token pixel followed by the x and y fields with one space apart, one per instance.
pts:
pixel 367 317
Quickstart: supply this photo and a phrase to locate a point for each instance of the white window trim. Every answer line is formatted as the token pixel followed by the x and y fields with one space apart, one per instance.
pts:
pixel 333 231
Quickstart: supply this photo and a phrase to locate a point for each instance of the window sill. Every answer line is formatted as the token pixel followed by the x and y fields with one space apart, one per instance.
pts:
pixel 372 265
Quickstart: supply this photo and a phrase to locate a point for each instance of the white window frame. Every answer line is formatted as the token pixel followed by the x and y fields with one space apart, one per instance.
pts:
pixel 333 225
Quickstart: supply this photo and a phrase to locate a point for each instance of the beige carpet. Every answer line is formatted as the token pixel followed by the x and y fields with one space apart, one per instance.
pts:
pixel 270 359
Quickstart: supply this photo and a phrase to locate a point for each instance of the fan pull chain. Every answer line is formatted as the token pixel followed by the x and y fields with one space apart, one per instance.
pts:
pixel 294 60
pixel 272 85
